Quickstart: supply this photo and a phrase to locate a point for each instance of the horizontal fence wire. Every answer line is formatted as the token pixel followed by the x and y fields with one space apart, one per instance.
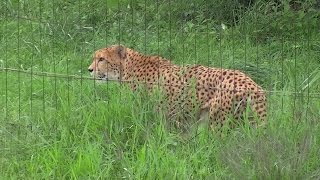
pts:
pixel 81 77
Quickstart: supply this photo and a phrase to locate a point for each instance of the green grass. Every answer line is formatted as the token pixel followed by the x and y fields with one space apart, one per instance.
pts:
pixel 65 128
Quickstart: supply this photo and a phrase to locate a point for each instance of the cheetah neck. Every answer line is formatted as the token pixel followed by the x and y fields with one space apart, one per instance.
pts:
pixel 136 61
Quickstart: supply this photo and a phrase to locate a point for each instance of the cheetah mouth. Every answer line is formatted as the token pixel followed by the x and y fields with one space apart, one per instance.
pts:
pixel 99 77
pixel 102 77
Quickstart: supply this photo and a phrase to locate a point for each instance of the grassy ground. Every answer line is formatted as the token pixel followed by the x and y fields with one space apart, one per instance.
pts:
pixel 64 128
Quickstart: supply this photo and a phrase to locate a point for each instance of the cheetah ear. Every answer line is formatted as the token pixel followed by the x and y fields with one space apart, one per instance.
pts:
pixel 121 50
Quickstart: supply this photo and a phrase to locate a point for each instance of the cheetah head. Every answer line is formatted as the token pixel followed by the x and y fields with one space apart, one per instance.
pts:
pixel 108 63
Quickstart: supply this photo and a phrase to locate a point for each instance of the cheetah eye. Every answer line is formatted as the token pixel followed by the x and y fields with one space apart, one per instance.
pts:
pixel 101 59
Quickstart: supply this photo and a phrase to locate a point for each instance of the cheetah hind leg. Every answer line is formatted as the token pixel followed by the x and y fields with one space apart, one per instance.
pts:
pixel 201 125
pixel 215 116
pixel 212 117
pixel 206 115
pixel 257 117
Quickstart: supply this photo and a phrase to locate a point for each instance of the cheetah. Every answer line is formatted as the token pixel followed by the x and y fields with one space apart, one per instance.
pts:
pixel 218 93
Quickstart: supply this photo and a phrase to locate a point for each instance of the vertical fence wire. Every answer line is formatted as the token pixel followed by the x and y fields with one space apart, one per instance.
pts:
pixel 209 63
pixel 145 27
pixel 31 75
pixel 308 67
pixel 269 87
pixel 233 56
pixel 106 37
pixel 53 42
pixel 195 60
pixel 42 62
pixel 158 17
pixel 220 66
pixel 19 62
pixel 245 46
pixel 119 40
pixel 282 67
pixel 7 66
pixel 94 46
pixel 170 29
pixel 82 69
pixel 295 74
pixel 183 41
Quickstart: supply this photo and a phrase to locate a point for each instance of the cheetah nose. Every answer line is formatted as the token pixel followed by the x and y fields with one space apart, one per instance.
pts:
pixel 90 70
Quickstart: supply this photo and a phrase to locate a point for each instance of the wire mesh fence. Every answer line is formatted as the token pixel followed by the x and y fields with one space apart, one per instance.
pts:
pixel 50 103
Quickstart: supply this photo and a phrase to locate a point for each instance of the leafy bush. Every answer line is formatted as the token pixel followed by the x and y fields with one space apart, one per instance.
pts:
pixel 282 19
